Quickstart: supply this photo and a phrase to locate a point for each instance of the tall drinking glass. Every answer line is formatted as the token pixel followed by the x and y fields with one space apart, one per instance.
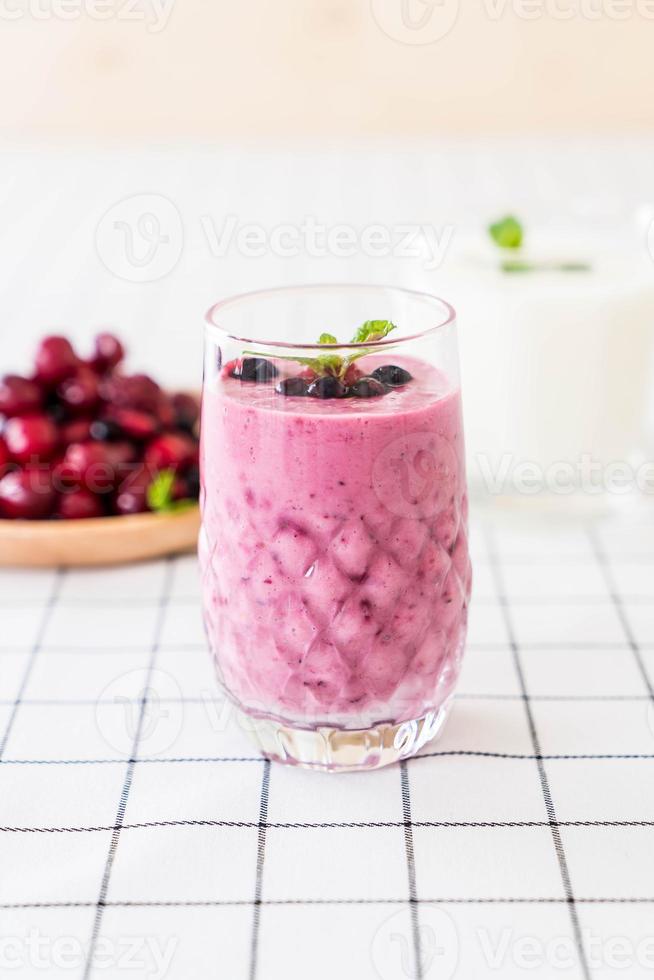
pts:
pixel 333 549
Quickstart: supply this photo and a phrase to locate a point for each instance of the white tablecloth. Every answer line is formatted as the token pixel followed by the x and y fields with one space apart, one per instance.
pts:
pixel 149 832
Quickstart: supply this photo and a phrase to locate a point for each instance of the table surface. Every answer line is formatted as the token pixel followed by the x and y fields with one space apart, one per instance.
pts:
pixel 140 826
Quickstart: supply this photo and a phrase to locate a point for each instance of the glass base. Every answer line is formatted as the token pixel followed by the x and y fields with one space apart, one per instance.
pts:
pixel 346 750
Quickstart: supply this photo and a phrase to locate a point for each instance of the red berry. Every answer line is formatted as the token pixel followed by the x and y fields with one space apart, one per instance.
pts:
pixel 165 411
pixel 98 466
pixel 26 494
pixel 352 374
pixel 79 430
pixel 232 369
pixel 5 458
pixel 135 424
pixel 78 504
pixel 307 374
pixel 133 391
pixel 131 497
pixel 186 410
pixel 55 360
pixel 31 437
pixel 79 393
pixel 172 450
pixel 18 396
pixel 108 352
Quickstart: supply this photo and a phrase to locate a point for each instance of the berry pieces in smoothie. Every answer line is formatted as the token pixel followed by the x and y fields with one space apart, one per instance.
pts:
pixel 367 388
pixel 327 387
pixel 256 369
pixel 292 386
pixel 392 376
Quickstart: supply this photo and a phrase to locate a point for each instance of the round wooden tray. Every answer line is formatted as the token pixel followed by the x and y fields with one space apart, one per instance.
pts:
pixel 97 540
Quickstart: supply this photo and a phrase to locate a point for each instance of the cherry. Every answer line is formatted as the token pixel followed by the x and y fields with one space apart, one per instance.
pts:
pixel 79 504
pixel 131 497
pixel 79 430
pixel 26 495
pixel 108 353
pixel 79 393
pixel 135 424
pixel 31 437
pixel 55 360
pixel 185 411
pixel 99 466
pixel 134 391
pixel 171 451
pixel 5 458
pixel 18 396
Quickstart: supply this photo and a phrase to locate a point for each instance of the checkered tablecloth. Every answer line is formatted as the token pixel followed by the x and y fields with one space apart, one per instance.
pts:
pixel 142 836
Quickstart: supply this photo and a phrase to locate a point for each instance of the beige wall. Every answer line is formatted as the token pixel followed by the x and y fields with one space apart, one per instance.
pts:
pixel 223 69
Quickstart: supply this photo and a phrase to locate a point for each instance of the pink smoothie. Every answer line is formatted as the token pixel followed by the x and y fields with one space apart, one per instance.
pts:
pixel 334 549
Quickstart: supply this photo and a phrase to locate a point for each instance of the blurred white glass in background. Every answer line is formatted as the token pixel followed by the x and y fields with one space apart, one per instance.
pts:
pixel 558 366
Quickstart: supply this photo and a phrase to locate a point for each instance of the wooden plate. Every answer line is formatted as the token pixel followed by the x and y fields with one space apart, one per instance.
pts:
pixel 97 540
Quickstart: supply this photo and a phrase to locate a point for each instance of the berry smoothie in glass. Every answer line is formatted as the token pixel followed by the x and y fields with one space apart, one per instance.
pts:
pixel 333 549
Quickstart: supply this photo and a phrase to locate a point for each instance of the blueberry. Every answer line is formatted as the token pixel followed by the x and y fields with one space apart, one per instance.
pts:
pixel 367 388
pixel 255 369
pixel 291 386
pixel 392 376
pixel 327 387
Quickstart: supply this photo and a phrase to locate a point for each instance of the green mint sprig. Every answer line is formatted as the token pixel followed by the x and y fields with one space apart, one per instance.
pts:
pixel 334 364
pixel 507 232
pixel 160 495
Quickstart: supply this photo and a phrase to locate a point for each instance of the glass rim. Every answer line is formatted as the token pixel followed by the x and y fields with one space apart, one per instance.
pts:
pixel 212 326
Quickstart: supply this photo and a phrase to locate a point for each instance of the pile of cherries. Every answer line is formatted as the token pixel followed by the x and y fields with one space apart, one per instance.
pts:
pixel 82 439
pixel 355 383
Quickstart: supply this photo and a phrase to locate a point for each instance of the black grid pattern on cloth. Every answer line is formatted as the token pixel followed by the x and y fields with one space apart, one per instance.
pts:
pixel 292 824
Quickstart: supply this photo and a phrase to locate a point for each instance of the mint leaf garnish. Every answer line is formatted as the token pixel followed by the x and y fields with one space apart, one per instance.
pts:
pixel 373 330
pixel 160 491
pixel 507 232
pixel 334 364
pixel 160 495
